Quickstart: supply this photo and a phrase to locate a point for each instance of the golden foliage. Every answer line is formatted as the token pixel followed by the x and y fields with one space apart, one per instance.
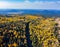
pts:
pixel 41 31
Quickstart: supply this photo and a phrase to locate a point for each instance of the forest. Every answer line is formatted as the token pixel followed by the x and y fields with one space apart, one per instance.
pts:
pixel 29 31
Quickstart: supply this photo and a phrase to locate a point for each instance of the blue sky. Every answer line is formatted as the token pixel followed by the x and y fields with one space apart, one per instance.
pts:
pixel 30 4
pixel 29 0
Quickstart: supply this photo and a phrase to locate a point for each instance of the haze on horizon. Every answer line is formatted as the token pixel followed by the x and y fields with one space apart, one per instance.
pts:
pixel 30 4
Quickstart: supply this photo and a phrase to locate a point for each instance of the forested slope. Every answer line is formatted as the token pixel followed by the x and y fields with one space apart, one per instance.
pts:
pixel 28 31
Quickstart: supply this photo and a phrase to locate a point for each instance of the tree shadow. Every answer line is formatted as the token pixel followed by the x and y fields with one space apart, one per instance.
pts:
pixel 29 42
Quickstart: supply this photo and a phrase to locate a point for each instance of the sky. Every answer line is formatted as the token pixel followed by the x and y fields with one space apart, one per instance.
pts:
pixel 30 4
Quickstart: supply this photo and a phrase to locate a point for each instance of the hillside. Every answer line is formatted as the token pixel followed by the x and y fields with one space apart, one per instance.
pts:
pixel 28 31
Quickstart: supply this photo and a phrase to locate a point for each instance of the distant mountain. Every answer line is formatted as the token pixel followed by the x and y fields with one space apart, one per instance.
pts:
pixel 46 13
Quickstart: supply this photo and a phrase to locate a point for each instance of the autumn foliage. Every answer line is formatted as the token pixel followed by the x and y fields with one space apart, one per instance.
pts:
pixel 41 31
